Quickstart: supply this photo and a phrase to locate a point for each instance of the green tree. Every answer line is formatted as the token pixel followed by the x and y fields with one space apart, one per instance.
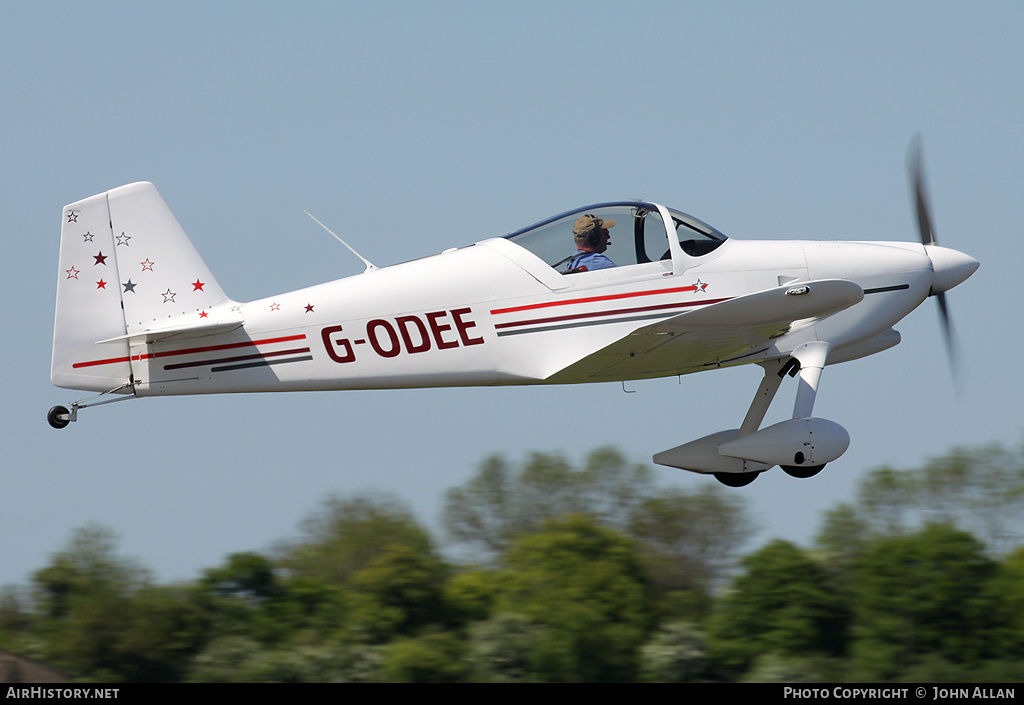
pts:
pixel 398 593
pixel 246 576
pixel 585 586
pixel 248 596
pixel 843 537
pixel 689 541
pixel 781 604
pixel 980 490
pixel 501 502
pixel 345 535
pixel 1008 589
pixel 675 654
pixel 500 648
pixel 469 595
pixel 923 593
pixel 433 657
pixel 368 558
pixel 83 595
pixel 102 619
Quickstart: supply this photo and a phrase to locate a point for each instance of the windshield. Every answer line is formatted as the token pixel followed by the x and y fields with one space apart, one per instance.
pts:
pixel 696 237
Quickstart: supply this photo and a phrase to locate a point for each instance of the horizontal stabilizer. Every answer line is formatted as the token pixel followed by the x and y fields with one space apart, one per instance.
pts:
pixel 182 331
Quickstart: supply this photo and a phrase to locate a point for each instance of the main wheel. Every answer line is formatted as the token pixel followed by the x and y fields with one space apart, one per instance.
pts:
pixel 802 472
pixel 736 479
pixel 54 416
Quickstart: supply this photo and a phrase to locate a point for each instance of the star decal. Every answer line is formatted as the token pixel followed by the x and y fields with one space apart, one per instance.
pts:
pixel 128 286
pixel 87 236
pixel 699 286
pixel 101 284
pixel 169 295
pixel 72 273
pixel 237 308
pixel 203 314
pixel 73 216
pixel 309 308
pixel 100 259
pixel 123 239
pixel 147 265
pixel 275 307
pixel 198 285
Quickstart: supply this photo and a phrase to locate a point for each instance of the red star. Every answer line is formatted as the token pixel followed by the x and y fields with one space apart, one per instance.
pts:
pixel 309 308
pixel 100 259
pixel 198 285
pixel 275 307
pixel 72 273
pixel 101 284
pixel 203 314
pixel 147 265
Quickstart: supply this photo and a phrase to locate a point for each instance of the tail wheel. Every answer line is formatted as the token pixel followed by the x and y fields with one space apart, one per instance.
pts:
pixel 736 479
pixel 58 416
pixel 803 472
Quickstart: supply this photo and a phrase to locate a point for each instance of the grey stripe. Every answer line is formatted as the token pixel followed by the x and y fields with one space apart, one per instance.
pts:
pixel 564 326
pixel 260 363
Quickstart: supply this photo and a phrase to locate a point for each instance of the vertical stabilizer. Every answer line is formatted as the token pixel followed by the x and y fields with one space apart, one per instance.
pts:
pixel 126 269
pixel 164 281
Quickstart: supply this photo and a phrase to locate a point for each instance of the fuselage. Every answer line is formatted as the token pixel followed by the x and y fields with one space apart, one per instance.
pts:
pixel 139 312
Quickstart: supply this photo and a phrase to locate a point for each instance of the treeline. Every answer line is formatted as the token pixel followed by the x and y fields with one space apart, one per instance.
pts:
pixel 560 573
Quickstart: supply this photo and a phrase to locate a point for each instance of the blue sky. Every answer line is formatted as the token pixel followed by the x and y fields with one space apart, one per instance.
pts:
pixel 409 128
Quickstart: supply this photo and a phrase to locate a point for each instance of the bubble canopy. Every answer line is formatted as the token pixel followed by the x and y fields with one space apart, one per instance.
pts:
pixel 639 235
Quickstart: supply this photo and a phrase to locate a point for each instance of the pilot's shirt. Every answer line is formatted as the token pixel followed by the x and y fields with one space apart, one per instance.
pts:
pixel 590 260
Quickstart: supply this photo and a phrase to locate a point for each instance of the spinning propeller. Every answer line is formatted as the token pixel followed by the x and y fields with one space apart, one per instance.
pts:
pixel 950 266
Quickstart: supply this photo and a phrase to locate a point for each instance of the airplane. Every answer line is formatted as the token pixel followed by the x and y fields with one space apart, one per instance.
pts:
pixel 139 314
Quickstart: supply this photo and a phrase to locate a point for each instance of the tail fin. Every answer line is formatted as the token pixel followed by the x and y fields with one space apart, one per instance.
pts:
pixel 126 270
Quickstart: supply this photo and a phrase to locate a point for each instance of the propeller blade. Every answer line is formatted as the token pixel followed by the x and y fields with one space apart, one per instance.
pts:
pixel 952 347
pixel 915 163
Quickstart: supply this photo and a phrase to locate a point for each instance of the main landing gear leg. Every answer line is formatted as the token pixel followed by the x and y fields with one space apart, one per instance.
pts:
pixel 812 357
pixel 774 372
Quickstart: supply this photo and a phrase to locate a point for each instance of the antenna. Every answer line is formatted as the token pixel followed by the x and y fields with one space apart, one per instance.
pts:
pixel 369 265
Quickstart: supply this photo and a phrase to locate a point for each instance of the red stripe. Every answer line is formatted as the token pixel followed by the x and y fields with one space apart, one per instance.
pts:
pixel 595 314
pixel 609 297
pixel 187 351
pixel 108 361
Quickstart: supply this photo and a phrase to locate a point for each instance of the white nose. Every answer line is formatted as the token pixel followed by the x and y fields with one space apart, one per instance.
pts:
pixel 951 267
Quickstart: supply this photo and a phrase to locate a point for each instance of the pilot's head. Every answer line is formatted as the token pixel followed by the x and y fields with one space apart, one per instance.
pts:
pixel 591 233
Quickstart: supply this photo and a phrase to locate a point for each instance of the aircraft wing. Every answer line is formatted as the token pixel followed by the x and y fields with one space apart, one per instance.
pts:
pixel 716 334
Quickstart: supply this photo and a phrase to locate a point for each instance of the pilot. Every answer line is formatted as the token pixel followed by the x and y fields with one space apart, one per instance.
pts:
pixel 592 239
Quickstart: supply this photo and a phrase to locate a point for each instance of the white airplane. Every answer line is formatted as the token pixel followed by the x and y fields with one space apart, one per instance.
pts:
pixel 139 314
